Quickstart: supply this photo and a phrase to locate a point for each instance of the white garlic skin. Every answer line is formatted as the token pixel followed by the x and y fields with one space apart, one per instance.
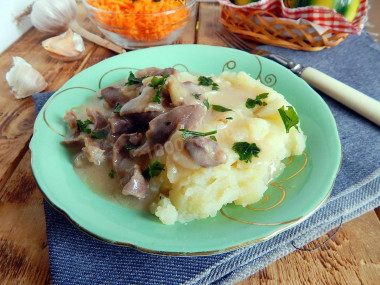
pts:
pixel 53 16
pixel 24 79
pixel 78 42
pixel 68 44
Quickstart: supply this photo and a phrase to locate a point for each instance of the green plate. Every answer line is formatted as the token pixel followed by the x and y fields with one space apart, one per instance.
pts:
pixel 300 190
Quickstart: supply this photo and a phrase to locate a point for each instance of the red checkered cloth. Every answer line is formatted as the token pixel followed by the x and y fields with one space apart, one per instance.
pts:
pixel 321 16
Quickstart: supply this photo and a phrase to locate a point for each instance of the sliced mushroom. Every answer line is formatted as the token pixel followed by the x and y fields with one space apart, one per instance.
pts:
pixel 184 92
pixel 163 126
pixel 114 96
pixel 137 186
pixel 205 152
pixel 71 118
pixel 122 162
pixel 93 151
pixel 97 118
pixel 142 103
pixel 120 126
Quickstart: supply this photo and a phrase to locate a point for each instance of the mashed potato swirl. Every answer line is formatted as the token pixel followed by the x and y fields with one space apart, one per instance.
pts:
pixel 190 192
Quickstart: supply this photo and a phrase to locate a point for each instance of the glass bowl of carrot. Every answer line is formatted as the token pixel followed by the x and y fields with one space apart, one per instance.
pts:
pixel 135 24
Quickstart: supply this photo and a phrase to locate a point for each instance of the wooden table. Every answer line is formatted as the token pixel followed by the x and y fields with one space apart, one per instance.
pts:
pixel 351 257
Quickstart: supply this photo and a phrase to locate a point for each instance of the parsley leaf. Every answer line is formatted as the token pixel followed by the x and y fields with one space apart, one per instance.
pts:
pixel 158 83
pixel 219 108
pixel 153 170
pixel 206 103
pixel 246 150
pixel 99 134
pixel 132 80
pixel 187 133
pixel 129 147
pixel 289 117
pixel 207 81
pixel 215 86
pixel 117 108
pixel 229 118
pixel 82 126
pixel 197 96
pixel 111 174
pixel 250 103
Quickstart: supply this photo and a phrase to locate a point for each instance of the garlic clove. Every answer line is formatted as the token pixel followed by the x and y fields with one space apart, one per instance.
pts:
pixel 67 46
pixel 23 79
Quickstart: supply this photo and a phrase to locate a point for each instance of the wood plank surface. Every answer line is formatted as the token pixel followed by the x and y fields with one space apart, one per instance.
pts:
pixel 17 116
pixel 23 246
pixel 351 257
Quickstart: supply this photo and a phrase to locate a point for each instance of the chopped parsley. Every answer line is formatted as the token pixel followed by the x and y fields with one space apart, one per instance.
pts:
pixel 132 80
pixel 219 108
pixel 229 118
pixel 153 170
pixel 111 174
pixel 250 103
pixel 99 134
pixel 129 147
pixel 168 123
pixel 246 150
pixel 197 96
pixel 289 117
pixel 158 83
pixel 215 87
pixel 207 81
pixel 117 108
pixel 213 138
pixel 206 103
pixel 187 133
pixel 82 126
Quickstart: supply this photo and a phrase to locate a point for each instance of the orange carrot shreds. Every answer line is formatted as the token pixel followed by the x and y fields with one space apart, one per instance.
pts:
pixel 141 20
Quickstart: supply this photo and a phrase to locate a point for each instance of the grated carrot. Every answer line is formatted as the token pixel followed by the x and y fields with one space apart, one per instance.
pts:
pixel 134 20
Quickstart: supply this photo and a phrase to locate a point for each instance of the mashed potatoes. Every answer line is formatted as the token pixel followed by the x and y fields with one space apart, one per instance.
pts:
pixel 189 191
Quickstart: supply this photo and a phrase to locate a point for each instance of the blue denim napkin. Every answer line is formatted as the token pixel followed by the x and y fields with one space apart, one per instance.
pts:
pixel 76 258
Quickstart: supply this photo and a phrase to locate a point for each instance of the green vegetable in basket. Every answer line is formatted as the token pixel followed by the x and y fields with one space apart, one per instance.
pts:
pixel 347 8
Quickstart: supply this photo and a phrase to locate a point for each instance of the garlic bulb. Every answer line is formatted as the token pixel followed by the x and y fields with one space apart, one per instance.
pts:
pixel 53 16
pixel 24 79
pixel 67 46
pixel 57 16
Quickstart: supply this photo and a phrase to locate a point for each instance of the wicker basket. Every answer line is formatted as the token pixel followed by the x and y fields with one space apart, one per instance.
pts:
pixel 264 27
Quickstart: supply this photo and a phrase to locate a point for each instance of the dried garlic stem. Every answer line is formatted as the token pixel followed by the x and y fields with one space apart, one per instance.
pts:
pixel 95 38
